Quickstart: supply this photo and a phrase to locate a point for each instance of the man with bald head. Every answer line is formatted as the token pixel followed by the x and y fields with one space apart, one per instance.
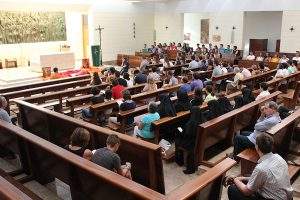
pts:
pixel 3 113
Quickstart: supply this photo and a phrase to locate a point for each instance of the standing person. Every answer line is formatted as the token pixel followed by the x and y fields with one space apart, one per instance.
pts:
pixel 221 49
pixel 143 128
pixel 79 142
pixel 125 65
pixel 269 179
pixel 109 159
pixel 269 118
pixel 187 138
pixel 96 79
pixel 144 64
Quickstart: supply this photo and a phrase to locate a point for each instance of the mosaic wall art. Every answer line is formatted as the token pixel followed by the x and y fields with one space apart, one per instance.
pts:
pixel 30 27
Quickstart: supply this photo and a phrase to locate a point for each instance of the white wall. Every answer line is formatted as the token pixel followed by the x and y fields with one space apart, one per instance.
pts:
pixel 262 25
pixel 174 22
pixel 290 40
pixel 117 21
pixel 224 20
pixel 31 51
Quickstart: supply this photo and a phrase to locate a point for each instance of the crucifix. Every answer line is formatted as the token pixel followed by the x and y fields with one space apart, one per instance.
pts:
pixel 99 29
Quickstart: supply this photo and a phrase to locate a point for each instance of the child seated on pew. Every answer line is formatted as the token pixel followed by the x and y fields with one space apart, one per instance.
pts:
pixel 96 98
pixel 79 142
pixel 127 104
pixel 143 128
pixel 109 159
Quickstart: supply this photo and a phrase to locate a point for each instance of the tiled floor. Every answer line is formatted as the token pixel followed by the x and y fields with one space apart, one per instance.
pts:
pixel 174 177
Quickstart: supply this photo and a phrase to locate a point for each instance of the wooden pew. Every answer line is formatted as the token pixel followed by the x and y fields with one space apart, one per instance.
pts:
pixel 134 61
pixel 290 99
pixel 90 181
pixel 249 159
pixel 247 63
pixel 223 128
pixel 179 117
pixel 214 79
pixel 137 97
pixel 261 77
pixel 86 179
pixel 10 189
pixel 207 186
pixel 57 128
pixel 43 90
pixel 43 83
pixel 78 101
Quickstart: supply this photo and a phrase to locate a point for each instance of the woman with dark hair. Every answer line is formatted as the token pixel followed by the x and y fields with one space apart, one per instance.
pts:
pixel 125 66
pixel 96 79
pixel 213 111
pixel 166 107
pixel 248 96
pixel 183 102
pixel 238 102
pixel 224 103
pixel 186 139
pixel 198 98
pixel 79 142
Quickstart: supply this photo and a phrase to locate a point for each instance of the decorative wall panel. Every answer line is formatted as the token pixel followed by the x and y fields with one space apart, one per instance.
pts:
pixel 30 27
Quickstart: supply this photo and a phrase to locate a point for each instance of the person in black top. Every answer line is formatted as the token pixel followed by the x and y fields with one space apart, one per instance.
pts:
pixel 248 96
pixel 121 81
pixel 213 111
pixel 183 102
pixel 224 103
pixel 79 142
pixel 96 98
pixel 187 138
pixel 125 66
pixel 238 102
pixel 139 77
pixel 96 79
pixel 166 107
pixel 198 97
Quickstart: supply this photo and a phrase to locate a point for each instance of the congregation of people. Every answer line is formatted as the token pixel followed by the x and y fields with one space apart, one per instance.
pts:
pixel 270 177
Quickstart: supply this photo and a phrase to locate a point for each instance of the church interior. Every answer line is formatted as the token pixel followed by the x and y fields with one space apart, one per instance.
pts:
pixel 149 99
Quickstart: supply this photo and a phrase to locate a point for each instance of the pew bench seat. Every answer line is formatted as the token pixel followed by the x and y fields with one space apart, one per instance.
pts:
pixel 249 158
pixel 11 189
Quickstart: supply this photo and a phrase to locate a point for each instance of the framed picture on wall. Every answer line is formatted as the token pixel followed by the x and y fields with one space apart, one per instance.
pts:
pixel 216 38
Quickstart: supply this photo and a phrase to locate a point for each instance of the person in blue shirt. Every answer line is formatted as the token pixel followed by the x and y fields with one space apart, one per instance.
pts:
pixel 228 50
pixel 186 86
pixel 221 49
pixel 143 129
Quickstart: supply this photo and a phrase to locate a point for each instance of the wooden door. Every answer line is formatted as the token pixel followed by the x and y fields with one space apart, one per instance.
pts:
pixel 258 45
pixel 277 45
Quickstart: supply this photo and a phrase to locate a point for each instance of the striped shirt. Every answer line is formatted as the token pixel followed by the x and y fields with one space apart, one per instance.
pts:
pixel 270 178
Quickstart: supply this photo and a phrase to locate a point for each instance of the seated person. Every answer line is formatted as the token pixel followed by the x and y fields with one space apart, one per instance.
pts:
pixel 224 103
pixel 96 79
pixel 128 79
pixel 297 57
pixel 4 116
pixel 186 86
pixel 268 58
pixel 139 77
pixel 96 98
pixel 275 58
pixel 150 87
pixel 183 102
pixel 193 64
pixel 109 159
pixel 282 71
pixel 117 89
pixel 269 179
pixel 246 72
pixel 209 94
pixel 238 102
pixel 55 74
pixel 262 67
pixel 170 79
pixel 166 107
pixel 79 142
pixel 260 57
pixel 196 82
pixel 121 81
pixel 292 67
pixel 187 139
pixel 214 110
pixel 234 86
pixel 264 91
pixel 250 56
pixel 284 59
pixel 269 118
pixel 247 95
pixel 198 98
pixel 127 104
pixel 143 128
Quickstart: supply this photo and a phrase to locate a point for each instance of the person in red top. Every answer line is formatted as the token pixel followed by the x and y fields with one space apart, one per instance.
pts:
pixel 117 89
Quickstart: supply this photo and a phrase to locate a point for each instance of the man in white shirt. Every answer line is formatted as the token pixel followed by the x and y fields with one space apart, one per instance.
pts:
pixel 260 58
pixel 269 179
pixel 246 73
pixel 250 56
pixel 264 91
pixel 284 59
pixel 297 57
pixel 193 64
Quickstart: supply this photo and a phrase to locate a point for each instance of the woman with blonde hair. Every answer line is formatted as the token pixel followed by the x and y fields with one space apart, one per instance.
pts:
pixel 150 87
